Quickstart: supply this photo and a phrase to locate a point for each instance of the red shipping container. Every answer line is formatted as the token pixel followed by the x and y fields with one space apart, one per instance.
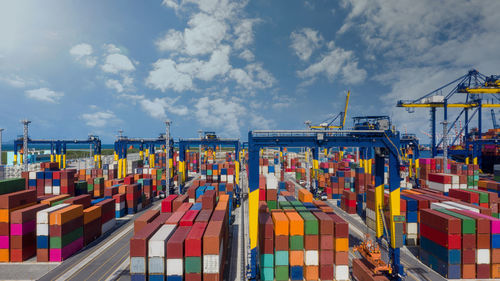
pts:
pixel 193 243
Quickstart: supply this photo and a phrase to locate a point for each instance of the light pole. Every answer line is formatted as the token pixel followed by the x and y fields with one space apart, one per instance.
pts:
pixel 167 150
pixel 25 122
pixel 199 152
pixel 1 146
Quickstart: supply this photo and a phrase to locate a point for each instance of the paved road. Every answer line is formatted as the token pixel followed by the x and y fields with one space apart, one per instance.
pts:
pixel 103 257
pixel 415 269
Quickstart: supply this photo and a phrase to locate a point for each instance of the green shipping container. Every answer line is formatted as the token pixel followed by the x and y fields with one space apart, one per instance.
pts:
pixel 296 242
pixel 468 224
pixel 272 205
pixel 12 185
pixel 310 223
pixel 483 196
pixel 192 264
pixel 282 273
pixel 57 242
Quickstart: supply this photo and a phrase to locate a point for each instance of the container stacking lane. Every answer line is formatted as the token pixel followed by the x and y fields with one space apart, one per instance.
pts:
pixel 414 268
pixel 97 263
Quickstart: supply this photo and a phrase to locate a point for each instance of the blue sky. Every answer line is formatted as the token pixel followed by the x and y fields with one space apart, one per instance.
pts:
pixel 81 67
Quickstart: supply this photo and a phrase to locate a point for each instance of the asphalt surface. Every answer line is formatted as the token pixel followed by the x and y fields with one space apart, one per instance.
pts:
pixel 90 264
pixel 414 269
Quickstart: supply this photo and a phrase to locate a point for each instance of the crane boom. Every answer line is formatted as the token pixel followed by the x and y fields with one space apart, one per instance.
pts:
pixel 345 108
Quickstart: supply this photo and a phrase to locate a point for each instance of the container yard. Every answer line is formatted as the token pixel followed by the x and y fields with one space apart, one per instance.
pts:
pixel 232 140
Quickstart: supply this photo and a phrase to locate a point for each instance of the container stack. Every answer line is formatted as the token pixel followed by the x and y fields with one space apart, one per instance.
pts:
pixel 441 243
pixel 348 202
pixel 23 233
pixel 157 251
pixel 281 245
pixel 193 260
pixel 108 220
pixel 9 203
pixel 92 225
pixel 175 253
pixel 296 252
pixel 66 232
pixel 266 247
pixel 120 205
pixel 42 232
pixel 326 245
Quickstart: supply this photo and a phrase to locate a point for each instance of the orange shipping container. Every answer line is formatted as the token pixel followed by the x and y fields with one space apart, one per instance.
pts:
pixel 296 223
pixel 65 215
pixel 296 258
pixel 92 213
pixel 341 244
pixel 280 221
pixel 305 196
pixel 311 272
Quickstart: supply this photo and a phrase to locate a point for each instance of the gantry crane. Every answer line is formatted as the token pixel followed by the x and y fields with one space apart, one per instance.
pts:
pixel 385 143
pixel 58 149
pixel 474 85
pixel 328 123
pixel 494 120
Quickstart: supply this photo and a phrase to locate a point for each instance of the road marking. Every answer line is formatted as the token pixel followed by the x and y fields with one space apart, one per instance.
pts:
pixel 119 270
pixel 124 257
pixel 106 261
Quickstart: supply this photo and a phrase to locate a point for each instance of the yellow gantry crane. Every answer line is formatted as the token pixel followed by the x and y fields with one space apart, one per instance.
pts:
pixel 327 124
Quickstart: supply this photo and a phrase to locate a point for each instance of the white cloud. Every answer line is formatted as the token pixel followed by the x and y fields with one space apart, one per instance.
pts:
pixel 99 119
pixel 336 61
pixel 305 41
pixel 83 54
pixel 173 40
pixel 244 33
pixel 165 75
pixel 220 114
pixel 44 94
pixel 15 81
pixel 247 55
pixel 116 63
pixel 259 122
pixel 114 84
pixel 204 35
pixel 112 49
pixel 253 76
pixel 217 65
pixel 159 107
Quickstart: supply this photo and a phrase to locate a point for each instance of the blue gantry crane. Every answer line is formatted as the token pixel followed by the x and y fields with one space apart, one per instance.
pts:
pixel 470 93
pixel 210 139
pixel 58 148
pixel 385 144
pixel 146 151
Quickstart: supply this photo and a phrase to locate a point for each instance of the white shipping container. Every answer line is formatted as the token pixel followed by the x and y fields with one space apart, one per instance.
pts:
pixel 175 267
pixel 158 243
pixel 42 229
pixel 156 265
pixel 137 265
pixel 211 264
pixel 43 215
pixel 56 190
pixel 311 257
pixel 271 182
pixel 341 272
pixel 461 207
pixel 483 256
pixel 436 205
pixel 412 228
pixel 48 189
pixel 32 176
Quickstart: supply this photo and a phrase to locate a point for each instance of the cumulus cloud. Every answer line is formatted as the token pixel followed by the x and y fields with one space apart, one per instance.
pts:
pixel 173 40
pixel 165 75
pixel 253 76
pixel 116 63
pixel 220 114
pixel 305 41
pixel 44 94
pixel 244 33
pixel 83 54
pixel 247 55
pixel 204 34
pixel 159 107
pixel 99 119
pixel 336 61
pixel 16 81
